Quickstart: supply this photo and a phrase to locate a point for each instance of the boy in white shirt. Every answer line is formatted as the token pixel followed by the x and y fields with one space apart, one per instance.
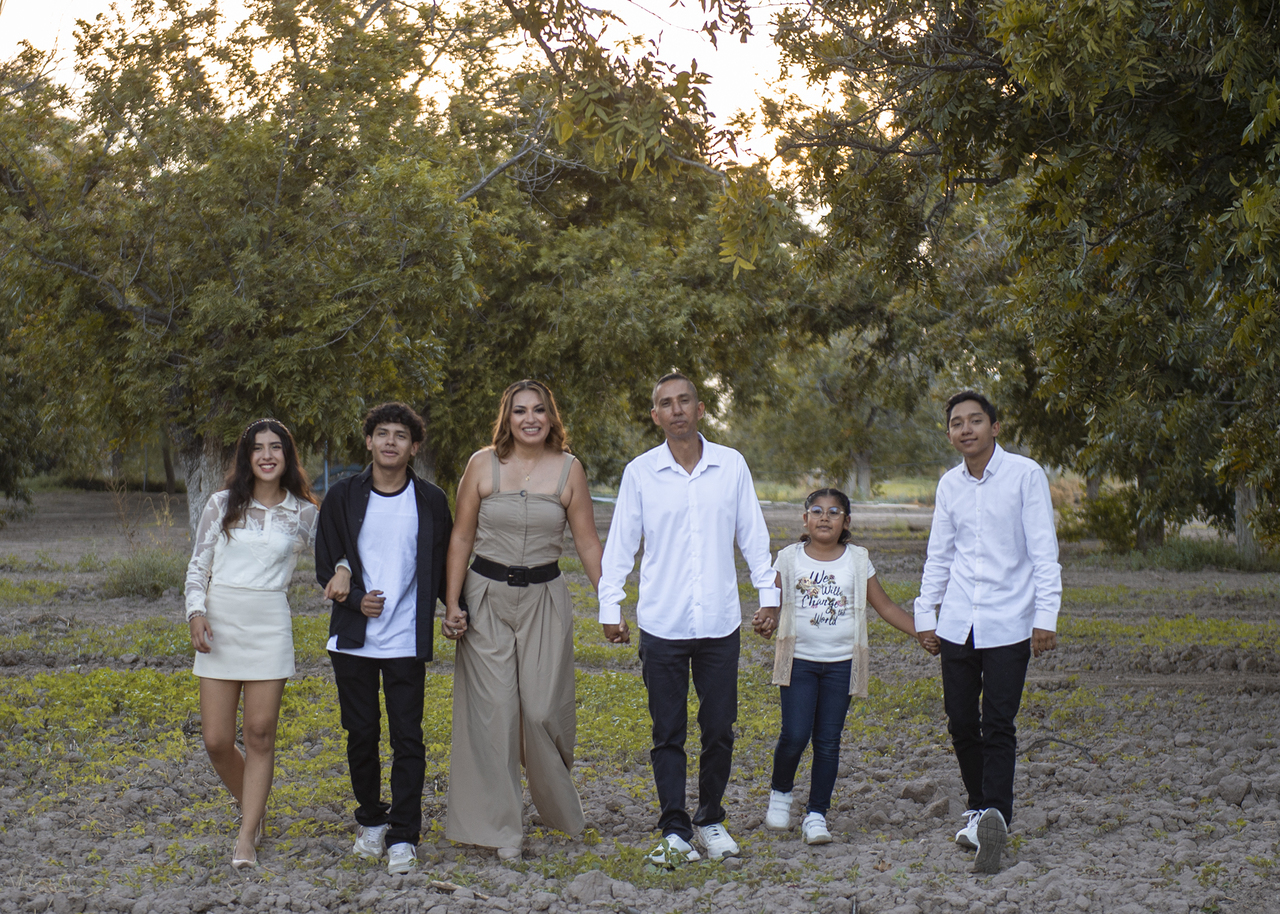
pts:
pixel 992 567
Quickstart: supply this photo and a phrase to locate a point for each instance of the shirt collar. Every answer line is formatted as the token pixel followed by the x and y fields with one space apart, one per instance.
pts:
pixel 993 465
pixel 290 503
pixel 710 458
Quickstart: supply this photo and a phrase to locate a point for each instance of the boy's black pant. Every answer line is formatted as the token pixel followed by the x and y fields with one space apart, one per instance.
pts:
pixel 665 665
pixel 982 691
pixel 403 683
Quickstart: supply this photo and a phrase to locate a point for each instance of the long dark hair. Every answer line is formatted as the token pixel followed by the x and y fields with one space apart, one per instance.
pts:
pixel 240 477
pixel 504 441
pixel 838 496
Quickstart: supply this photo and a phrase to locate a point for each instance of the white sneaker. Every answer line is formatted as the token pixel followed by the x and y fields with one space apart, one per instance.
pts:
pixel 673 850
pixel 968 836
pixel 779 815
pixel 814 829
pixel 716 841
pixel 992 833
pixel 401 858
pixel 369 840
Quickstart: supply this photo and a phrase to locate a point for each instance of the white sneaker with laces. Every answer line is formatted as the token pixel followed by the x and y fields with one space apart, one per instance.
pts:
pixel 673 850
pixel 968 836
pixel 716 841
pixel 401 858
pixel 779 815
pixel 814 829
pixel 369 840
pixel 992 833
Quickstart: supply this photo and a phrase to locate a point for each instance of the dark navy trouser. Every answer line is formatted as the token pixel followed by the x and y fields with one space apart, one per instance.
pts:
pixel 982 691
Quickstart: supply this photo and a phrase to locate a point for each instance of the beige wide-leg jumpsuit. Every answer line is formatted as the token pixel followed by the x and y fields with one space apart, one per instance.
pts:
pixel 515 661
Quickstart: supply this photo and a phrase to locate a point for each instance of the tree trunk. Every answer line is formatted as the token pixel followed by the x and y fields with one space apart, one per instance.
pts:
pixel 424 464
pixel 1246 541
pixel 170 480
pixel 204 465
pixel 1150 529
pixel 858 483
pixel 1092 486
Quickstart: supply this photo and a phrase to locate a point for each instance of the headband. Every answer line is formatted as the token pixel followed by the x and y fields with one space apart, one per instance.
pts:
pixel 245 433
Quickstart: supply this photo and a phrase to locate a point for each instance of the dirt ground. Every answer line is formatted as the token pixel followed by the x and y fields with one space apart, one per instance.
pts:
pixel 1148 776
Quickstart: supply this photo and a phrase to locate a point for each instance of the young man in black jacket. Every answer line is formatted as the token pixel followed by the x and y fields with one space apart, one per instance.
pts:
pixel 393 529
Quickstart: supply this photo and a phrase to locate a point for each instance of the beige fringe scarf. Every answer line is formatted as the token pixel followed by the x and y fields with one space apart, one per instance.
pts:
pixel 785 651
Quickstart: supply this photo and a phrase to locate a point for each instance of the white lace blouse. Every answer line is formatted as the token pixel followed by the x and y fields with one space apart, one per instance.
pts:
pixel 261 552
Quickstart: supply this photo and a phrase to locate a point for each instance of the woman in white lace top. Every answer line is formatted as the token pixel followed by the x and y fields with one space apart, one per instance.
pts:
pixel 247 545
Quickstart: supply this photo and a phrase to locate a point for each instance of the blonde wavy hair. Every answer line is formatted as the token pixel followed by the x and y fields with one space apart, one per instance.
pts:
pixel 504 441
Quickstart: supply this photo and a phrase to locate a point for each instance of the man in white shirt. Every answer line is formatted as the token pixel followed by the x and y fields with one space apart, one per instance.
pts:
pixel 689 499
pixel 993 568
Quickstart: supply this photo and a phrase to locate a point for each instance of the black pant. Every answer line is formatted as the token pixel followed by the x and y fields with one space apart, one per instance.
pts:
pixel 404 683
pixel 985 740
pixel 666 665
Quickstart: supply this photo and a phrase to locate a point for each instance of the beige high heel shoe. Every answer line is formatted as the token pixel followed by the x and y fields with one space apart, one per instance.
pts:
pixel 242 863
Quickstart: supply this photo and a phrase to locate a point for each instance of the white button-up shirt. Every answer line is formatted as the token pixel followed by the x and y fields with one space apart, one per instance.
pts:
pixel 993 555
pixel 688 582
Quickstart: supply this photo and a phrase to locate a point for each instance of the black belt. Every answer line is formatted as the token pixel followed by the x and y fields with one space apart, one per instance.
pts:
pixel 516 575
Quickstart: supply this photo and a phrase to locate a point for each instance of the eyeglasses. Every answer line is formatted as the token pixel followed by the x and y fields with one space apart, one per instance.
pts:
pixel 817 511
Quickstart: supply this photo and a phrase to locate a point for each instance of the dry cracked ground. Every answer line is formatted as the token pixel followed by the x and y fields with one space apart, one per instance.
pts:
pixel 1148 777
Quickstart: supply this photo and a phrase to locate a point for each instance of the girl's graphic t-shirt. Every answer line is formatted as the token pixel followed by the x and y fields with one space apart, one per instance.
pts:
pixel 825 604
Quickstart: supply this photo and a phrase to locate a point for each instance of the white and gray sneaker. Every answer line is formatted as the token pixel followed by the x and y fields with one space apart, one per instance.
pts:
pixel 401 858
pixel 369 840
pixel 779 815
pixel 716 841
pixel 671 851
pixel 814 829
pixel 968 836
pixel 992 833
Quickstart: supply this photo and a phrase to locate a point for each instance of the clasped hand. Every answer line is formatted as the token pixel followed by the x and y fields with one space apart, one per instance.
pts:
pixel 454 625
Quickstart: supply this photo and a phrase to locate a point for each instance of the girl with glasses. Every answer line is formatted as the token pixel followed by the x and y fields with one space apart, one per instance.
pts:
pixel 821 657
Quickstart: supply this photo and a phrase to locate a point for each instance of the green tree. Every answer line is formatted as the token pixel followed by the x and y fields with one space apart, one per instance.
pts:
pixel 285 238
pixel 1137 140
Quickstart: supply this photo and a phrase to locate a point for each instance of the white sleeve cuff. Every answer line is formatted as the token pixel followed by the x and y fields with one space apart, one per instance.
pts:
pixel 610 614
pixel 770 596
pixel 1046 619
pixel 343 563
pixel 926 620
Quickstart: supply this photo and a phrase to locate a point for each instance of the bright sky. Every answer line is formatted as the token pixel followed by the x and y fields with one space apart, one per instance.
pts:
pixel 741 72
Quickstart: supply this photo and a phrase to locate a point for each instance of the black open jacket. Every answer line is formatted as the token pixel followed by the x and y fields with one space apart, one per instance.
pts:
pixel 341 516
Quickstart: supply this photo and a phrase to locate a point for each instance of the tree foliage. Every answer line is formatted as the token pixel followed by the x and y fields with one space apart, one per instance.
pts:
pixel 1137 139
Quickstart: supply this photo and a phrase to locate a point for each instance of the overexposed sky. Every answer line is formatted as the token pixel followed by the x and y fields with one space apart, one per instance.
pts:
pixel 741 73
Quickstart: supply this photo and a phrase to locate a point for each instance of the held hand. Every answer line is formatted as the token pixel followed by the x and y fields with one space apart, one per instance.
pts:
pixel 201 634
pixel 454 625
pixel 339 586
pixel 372 603
pixel 765 621
pixel 929 641
pixel 1042 640
pixel 617 634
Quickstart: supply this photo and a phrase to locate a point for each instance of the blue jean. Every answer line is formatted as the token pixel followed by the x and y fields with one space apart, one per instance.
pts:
pixel 813 708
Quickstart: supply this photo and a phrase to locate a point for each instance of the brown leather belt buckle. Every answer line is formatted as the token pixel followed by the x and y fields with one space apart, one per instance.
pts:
pixel 517 575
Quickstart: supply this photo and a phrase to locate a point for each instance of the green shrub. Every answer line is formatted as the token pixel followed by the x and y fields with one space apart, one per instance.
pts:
pixel 28 591
pixel 1110 517
pixel 145 573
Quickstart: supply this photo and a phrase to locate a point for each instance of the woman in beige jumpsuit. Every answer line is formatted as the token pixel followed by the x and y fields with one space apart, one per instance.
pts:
pixel 513 690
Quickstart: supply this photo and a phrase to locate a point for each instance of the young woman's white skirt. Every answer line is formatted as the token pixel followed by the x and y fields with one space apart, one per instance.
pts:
pixel 252 635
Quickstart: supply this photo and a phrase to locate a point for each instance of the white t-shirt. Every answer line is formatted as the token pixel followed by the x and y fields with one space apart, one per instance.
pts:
pixel 825 604
pixel 388 546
